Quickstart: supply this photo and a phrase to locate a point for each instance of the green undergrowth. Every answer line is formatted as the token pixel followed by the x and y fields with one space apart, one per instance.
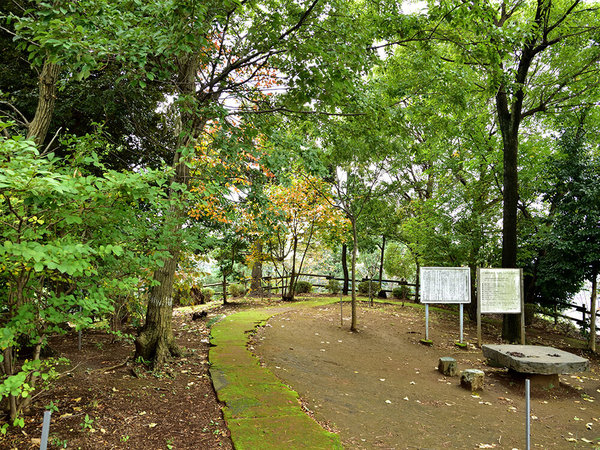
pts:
pixel 260 411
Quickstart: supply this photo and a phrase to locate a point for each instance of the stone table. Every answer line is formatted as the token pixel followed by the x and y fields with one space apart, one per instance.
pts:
pixel 539 363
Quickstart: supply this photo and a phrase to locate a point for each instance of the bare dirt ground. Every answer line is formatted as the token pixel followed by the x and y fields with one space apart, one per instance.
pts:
pixel 380 388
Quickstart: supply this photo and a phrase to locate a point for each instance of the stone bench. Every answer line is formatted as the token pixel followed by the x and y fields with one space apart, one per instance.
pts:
pixel 541 364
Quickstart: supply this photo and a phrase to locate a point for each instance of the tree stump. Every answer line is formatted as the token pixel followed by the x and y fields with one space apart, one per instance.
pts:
pixel 447 366
pixel 472 379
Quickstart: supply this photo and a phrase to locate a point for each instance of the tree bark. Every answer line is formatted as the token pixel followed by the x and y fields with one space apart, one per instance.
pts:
pixel 38 127
pixel 354 323
pixel 345 269
pixel 256 283
pixel 381 267
pixel 224 287
pixel 155 341
pixel 593 308
pixel 289 293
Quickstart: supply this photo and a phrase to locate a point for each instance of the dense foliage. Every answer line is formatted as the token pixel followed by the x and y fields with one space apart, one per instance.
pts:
pixel 146 144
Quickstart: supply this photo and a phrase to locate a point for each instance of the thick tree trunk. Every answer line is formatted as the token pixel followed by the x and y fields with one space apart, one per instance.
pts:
pixel 345 269
pixel 509 120
pixel 472 307
pixel 511 326
pixel 155 341
pixel 593 308
pixel 38 127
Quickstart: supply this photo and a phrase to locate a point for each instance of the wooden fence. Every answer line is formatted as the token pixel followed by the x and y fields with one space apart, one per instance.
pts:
pixel 280 283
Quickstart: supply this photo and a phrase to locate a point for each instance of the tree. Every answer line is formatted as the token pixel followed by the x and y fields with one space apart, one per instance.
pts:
pixel 305 217
pixel 572 243
pixel 71 241
pixel 531 58
pixel 238 43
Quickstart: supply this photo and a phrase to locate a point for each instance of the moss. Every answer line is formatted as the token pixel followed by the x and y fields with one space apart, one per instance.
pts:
pixel 261 412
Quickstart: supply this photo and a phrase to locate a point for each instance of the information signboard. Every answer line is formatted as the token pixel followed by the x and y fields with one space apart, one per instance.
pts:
pixel 499 291
pixel 445 284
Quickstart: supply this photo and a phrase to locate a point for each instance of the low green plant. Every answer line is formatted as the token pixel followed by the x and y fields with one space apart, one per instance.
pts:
pixel 363 287
pixel 401 292
pixel 52 407
pixel 303 287
pixel 207 293
pixel 60 443
pixel 88 423
pixel 333 287
pixel 237 290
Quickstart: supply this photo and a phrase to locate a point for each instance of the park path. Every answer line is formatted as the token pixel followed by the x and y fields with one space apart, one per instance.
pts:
pixel 260 411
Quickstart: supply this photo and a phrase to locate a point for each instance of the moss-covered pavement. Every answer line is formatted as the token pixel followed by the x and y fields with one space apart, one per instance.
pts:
pixel 260 411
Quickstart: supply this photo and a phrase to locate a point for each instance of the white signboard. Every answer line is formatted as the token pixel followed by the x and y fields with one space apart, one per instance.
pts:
pixel 445 284
pixel 500 291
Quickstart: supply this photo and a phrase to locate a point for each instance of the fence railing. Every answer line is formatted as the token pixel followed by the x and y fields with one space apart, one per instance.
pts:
pixel 555 313
pixel 280 283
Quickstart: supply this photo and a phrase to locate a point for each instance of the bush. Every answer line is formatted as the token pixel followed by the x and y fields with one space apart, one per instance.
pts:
pixel 401 292
pixel 207 293
pixel 363 287
pixel 333 287
pixel 237 290
pixel 303 287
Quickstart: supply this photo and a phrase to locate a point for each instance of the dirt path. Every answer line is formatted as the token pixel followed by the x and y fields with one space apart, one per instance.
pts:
pixel 379 388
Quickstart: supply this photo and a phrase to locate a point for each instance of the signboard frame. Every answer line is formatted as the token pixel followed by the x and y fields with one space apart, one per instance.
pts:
pixel 438 270
pixel 429 296
pixel 518 307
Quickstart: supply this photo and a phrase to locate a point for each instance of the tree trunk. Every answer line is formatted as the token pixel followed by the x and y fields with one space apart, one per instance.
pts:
pixel 224 286
pixel 511 327
pixel 288 295
pixel 155 341
pixel 417 281
pixel 345 269
pixel 381 267
pixel 593 308
pixel 354 324
pixel 472 307
pixel 38 127
pixel 256 283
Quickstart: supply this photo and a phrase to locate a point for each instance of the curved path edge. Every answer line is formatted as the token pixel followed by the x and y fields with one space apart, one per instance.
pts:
pixel 260 411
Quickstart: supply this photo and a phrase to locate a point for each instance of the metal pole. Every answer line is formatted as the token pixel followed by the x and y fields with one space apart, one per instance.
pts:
pixel 427 321
pixel 461 314
pixel 528 411
pixel 45 430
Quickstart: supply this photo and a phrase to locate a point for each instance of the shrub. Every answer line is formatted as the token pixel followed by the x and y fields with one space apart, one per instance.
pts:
pixel 237 290
pixel 207 293
pixel 363 287
pixel 303 287
pixel 333 287
pixel 400 292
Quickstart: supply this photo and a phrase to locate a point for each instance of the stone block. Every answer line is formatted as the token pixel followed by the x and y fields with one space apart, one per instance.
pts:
pixel 472 379
pixel 447 366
